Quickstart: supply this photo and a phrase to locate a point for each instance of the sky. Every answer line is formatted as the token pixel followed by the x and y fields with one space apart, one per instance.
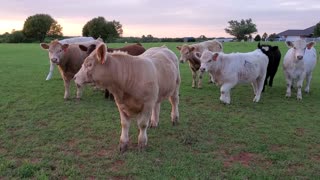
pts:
pixel 165 18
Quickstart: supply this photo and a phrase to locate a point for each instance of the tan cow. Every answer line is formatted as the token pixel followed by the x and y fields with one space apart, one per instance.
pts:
pixel 138 83
pixel 188 53
pixel 69 58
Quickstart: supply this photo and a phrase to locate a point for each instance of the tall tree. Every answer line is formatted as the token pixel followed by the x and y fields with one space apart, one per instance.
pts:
pixel 257 38
pixel 37 26
pixel 55 30
pixel 316 32
pixel 241 29
pixel 99 27
pixel 264 36
pixel 118 27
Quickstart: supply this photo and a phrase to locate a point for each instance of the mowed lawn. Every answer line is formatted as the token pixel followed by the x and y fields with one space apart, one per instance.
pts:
pixel 44 137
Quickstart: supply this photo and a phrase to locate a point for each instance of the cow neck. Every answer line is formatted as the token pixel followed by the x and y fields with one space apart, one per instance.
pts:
pixel 115 73
pixel 194 60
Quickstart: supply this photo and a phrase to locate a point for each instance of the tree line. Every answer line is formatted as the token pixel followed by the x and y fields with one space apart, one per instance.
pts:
pixel 41 27
pixel 38 27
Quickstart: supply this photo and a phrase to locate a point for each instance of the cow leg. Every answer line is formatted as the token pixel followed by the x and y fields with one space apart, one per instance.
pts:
pixel 200 79
pixel 194 78
pixel 289 86
pixel 299 86
pixel 174 100
pixel 308 80
pixel 155 116
pixel 49 76
pixel 271 80
pixel 259 87
pixel 79 92
pixel 225 92
pixel 124 138
pixel 143 123
pixel 66 88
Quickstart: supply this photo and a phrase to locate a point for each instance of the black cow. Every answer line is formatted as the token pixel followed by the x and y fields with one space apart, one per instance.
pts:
pixel 274 56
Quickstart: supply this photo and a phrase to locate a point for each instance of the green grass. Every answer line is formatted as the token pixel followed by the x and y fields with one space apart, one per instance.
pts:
pixel 44 137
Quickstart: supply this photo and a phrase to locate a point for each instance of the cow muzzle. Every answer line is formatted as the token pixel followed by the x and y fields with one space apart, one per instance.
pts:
pixel 299 57
pixel 55 60
pixel 202 69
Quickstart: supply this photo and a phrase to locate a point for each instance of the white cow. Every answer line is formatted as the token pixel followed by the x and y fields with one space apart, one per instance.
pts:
pixel 298 65
pixel 230 69
pixel 68 41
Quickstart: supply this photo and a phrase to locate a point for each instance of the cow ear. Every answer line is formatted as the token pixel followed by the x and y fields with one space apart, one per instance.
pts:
pixel 65 47
pixel 259 46
pixel 101 53
pixel 197 54
pixel 44 46
pixel 289 44
pixel 192 49
pixel 215 56
pixel 311 44
pixel 179 48
pixel 83 48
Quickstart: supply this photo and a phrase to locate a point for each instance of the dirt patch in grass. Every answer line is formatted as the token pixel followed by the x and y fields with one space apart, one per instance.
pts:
pixel 243 158
pixel 299 132
pixel 117 165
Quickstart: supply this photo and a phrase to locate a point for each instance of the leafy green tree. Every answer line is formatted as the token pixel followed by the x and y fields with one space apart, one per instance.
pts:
pixel 272 37
pixel 316 32
pixel 55 30
pixel 241 29
pixel 264 36
pixel 118 27
pixel 16 37
pixel 37 26
pixel 99 27
pixel 257 38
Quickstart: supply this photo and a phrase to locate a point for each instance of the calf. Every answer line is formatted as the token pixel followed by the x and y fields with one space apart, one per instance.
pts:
pixel 230 69
pixel 69 59
pixel 68 41
pixel 188 53
pixel 138 83
pixel 133 49
pixel 298 64
pixel 274 56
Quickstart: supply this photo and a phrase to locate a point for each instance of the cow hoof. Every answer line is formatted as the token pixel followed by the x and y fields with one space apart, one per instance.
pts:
pixel 299 98
pixel 66 99
pixel 142 147
pixel 153 125
pixel 175 123
pixel 123 147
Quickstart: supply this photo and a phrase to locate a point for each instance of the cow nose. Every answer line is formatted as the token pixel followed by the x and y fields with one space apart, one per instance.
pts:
pixel 202 69
pixel 181 61
pixel 299 57
pixel 54 60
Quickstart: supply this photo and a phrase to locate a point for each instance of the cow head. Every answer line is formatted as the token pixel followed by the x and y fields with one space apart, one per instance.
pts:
pixel 90 66
pixel 208 59
pixel 299 47
pixel 268 50
pixel 56 50
pixel 89 49
pixel 186 52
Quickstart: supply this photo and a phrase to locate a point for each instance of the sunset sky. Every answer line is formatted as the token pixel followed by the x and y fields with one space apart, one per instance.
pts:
pixel 165 18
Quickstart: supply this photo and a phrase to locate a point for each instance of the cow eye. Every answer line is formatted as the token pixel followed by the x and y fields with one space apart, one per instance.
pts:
pixel 210 60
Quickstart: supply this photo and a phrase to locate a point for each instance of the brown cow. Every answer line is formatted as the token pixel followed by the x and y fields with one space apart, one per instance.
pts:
pixel 138 83
pixel 69 59
pixel 188 53
pixel 133 49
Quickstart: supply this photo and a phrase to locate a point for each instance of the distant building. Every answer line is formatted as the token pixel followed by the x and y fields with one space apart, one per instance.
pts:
pixel 223 39
pixel 292 35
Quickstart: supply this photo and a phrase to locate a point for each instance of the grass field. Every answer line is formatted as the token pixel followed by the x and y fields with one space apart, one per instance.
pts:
pixel 44 137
